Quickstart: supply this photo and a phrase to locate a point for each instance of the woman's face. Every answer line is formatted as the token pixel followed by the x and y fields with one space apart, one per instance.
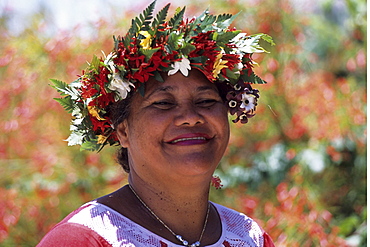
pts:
pixel 179 128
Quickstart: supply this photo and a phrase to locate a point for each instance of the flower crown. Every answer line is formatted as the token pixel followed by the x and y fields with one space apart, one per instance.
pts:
pixel 153 46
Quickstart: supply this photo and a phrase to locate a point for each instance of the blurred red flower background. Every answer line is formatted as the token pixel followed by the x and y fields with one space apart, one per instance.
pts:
pixel 298 167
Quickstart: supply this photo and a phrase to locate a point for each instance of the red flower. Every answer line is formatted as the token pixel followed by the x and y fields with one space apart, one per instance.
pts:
pixel 88 90
pixel 171 57
pixel 216 182
pixel 104 100
pixel 120 59
pixel 144 72
pixel 248 64
pixel 114 137
pixel 100 126
pixel 158 61
pixel 204 46
pixel 232 60
pixel 135 60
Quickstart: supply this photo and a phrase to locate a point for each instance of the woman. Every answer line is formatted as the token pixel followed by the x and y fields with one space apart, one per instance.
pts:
pixel 163 94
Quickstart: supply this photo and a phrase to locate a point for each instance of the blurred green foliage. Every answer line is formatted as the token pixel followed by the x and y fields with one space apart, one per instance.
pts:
pixel 298 167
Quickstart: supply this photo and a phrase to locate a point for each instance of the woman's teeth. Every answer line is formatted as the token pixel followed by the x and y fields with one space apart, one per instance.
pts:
pixel 187 139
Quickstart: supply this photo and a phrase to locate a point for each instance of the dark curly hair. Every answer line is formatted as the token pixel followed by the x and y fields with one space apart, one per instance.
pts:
pixel 119 112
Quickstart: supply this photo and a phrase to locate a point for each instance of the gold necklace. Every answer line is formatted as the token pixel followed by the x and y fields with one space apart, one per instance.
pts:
pixel 178 237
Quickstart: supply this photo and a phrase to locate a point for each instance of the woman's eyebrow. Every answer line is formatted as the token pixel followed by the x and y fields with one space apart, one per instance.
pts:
pixel 172 88
pixel 160 89
pixel 206 88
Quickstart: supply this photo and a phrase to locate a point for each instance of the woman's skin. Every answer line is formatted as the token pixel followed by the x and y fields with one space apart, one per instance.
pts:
pixel 175 135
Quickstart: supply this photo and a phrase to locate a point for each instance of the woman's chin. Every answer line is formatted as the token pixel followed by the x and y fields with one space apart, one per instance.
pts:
pixel 194 167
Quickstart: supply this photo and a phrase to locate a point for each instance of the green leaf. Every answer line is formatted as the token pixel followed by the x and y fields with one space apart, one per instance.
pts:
pixel 199 25
pixel 223 17
pixel 60 86
pixel 224 21
pixel 268 39
pixel 175 21
pixel 187 48
pixel 95 64
pixel 221 77
pixel 91 145
pixel 224 38
pixel 139 23
pixel 253 78
pixel 66 103
pixel 202 16
pixel 200 59
pixel 173 41
pixel 206 23
pixel 157 76
pixel 65 89
pixel 116 42
pixel 145 17
pixel 160 17
pixel 148 53
pixel 253 41
pixel 141 89
pixel 231 75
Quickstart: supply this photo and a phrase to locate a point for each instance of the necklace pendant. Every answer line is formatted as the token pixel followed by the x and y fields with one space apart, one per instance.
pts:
pixel 196 244
pixel 184 242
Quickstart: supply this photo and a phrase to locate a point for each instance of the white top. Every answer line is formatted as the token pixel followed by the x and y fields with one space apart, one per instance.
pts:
pixel 237 228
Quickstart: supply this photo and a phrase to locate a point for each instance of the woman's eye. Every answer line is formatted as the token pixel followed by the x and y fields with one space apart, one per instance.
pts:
pixel 206 102
pixel 163 104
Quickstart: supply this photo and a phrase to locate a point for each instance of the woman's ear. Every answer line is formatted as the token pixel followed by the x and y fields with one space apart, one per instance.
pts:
pixel 122 133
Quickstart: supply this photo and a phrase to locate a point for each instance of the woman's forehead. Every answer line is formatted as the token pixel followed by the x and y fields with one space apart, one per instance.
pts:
pixel 195 82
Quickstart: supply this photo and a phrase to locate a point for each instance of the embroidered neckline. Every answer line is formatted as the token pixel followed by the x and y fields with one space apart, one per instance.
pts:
pixel 218 208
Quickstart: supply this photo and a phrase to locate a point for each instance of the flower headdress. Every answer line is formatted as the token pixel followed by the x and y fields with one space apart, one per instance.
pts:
pixel 153 46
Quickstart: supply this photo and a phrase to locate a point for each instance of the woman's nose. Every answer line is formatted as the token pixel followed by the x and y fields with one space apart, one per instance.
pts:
pixel 189 114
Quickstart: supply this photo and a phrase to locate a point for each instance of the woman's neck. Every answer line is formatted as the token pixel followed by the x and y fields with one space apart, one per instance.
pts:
pixel 183 207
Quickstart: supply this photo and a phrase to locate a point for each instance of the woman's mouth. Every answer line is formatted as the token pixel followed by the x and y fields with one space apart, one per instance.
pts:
pixel 190 139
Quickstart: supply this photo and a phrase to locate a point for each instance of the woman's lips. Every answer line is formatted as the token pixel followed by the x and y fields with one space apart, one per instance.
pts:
pixel 190 139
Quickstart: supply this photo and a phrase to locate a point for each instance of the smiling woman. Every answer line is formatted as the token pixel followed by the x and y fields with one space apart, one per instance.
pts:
pixel 163 95
pixel 188 130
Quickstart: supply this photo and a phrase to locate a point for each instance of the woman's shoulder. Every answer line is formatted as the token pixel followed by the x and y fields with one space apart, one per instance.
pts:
pixel 72 232
pixel 101 219
pixel 86 226
pixel 233 217
pixel 101 225
pixel 240 227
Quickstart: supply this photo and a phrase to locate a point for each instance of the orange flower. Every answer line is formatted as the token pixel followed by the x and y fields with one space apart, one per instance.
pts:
pixel 94 112
pixel 218 65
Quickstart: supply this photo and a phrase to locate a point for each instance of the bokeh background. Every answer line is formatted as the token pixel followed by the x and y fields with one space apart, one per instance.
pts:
pixel 298 167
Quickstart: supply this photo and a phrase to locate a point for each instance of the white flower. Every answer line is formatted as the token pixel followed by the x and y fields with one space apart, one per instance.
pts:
pixel 247 44
pixel 239 66
pixel 109 57
pixel 75 138
pixel 248 102
pixel 233 103
pixel 239 37
pixel 109 61
pixel 122 87
pixel 237 87
pixel 183 66
pixel 77 121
